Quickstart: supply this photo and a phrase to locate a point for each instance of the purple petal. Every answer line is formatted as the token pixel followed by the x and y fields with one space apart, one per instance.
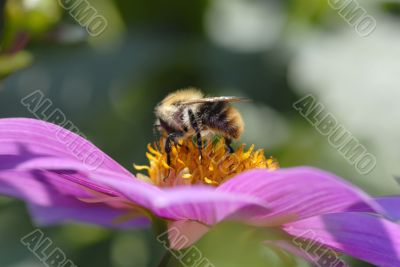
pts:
pixel 39 161
pixel 51 204
pixel 22 140
pixel 391 205
pixel 39 166
pixel 297 193
pixel 198 203
pixel 54 199
pixel 364 236
pixel 88 213
pixel 42 166
pixel 191 230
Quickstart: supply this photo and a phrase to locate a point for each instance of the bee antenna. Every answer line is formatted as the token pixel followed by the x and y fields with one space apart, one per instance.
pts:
pixel 245 99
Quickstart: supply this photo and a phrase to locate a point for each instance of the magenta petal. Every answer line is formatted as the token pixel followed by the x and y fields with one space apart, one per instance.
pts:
pixel 47 166
pixel 391 205
pixel 53 199
pixel 86 213
pixel 43 164
pixel 33 187
pixel 364 236
pixel 206 205
pixel 191 230
pixel 22 140
pixel 49 188
pixel 297 193
pixel 36 158
pixel 59 192
pixel 199 203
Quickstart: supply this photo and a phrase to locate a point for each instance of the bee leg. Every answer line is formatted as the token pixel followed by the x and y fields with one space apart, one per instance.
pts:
pixel 172 138
pixel 199 144
pixel 168 148
pixel 195 125
pixel 168 151
pixel 176 142
pixel 228 143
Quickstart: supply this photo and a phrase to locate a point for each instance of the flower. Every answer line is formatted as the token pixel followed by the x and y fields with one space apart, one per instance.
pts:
pixel 213 167
pixel 63 177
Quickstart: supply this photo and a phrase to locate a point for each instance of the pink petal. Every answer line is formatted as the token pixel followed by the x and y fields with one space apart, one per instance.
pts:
pixel 39 166
pixel 391 205
pixel 88 213
pixel 24 139
pixel 297 193
pixel 187 232
pixel 198 203
pixel 364 236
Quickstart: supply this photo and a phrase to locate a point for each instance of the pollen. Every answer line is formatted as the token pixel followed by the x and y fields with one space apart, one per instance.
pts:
pixel 214 166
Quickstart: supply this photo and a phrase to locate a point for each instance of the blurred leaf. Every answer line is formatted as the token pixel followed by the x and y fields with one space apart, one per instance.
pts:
pixel 2 5
pixel 13 62
pixel 392 7
pixel 29 17
pixel 234 244
pixel 173 16
pixel 88 234
pixel 308 10
pixel 33 16
pixel 123 246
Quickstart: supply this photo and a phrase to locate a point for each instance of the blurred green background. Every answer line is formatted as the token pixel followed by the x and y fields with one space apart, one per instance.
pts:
pixel 274 52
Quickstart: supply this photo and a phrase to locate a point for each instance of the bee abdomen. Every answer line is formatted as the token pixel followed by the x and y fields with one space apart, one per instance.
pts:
pixel 222 118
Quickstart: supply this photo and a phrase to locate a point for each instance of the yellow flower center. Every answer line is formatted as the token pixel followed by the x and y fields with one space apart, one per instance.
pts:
pixel 187 167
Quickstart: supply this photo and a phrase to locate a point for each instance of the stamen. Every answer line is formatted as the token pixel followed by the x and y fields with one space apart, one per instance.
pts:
pixel 141 167
pixel 214 167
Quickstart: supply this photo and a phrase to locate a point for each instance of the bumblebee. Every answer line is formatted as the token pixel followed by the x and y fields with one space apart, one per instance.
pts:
pixel 187 113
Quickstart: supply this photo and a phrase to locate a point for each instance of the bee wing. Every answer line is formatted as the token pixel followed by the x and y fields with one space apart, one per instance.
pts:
pixel 229 99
